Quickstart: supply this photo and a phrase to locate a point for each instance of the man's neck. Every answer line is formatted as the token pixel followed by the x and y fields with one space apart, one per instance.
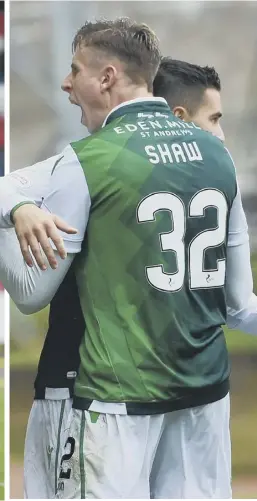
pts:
pixel 129 95
pixel 131 102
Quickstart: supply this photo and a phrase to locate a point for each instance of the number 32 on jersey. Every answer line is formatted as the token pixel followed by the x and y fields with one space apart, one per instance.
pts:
pixel 174 240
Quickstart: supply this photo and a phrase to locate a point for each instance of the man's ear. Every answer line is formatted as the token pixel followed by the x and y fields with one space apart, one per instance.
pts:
pixel 181 113
pixel 108 77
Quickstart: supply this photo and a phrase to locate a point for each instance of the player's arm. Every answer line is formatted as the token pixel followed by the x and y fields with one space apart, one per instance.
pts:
pixel 68 196
pixel 31 289
pixel 29 183
pixel 241 301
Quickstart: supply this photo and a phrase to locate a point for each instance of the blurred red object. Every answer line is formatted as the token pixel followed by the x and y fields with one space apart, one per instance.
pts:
pixel 2 24
pixel 1 287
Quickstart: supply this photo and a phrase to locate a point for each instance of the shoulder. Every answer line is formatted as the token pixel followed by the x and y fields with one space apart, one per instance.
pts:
pixel 99 149
pixel 215 149
pixel 39 171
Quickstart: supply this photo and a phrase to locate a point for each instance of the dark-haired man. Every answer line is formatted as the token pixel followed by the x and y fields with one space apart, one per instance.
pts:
pixel 109 472
pixel 192 92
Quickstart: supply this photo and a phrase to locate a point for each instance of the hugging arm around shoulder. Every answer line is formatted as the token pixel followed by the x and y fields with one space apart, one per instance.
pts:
pixel 64 193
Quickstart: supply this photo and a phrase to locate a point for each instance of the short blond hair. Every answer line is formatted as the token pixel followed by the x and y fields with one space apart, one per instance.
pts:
pixel 136 45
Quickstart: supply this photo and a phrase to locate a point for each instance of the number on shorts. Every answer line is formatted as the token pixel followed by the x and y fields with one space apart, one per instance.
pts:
pixel 66 457
pixel 174 240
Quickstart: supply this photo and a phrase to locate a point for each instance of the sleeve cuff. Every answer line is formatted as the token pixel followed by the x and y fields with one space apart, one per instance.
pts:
pixel 17 207
pixel 13 201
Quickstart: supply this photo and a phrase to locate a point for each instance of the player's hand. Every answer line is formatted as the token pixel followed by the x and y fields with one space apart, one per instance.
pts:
pixel 34 228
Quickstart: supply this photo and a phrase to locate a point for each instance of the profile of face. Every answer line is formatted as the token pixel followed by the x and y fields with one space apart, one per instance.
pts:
pixel 88 86
pixel 208 114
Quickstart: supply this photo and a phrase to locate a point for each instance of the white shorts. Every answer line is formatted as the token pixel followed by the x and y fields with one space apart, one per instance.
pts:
pixel 182 454
pixel 46 435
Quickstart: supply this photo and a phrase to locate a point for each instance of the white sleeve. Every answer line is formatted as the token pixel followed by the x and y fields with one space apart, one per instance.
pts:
pixel 246 319
pixel 29 183
pixel 68 197
pixel 31 289
pixel 241 301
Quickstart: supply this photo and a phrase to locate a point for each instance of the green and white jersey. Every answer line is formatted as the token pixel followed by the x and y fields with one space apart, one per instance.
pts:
pixel 156 198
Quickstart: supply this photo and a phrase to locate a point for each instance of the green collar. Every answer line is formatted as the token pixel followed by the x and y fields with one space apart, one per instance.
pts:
pixel 142 106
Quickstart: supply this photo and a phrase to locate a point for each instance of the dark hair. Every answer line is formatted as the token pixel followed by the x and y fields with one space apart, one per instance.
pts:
pixel 183 84
pixel 136 45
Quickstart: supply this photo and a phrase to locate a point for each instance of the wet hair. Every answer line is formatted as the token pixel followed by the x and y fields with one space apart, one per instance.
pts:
pixel 135 45
pixel 184 84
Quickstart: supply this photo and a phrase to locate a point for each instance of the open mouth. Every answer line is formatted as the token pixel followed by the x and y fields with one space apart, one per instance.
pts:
pixel 83 118
pixel 73 102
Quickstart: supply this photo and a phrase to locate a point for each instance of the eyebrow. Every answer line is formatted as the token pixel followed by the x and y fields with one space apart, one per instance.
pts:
pixel 216 115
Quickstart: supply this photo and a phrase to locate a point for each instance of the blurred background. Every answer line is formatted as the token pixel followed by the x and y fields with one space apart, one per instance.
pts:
pixel 220 34
pixel 1 287
pixel 1 136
